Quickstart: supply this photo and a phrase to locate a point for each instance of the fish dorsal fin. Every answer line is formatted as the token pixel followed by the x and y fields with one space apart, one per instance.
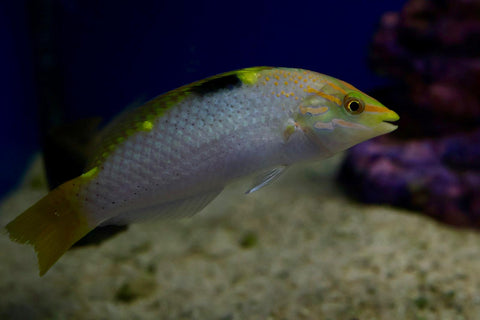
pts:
pixel 66 149
pixel 266 178
pixel 181 208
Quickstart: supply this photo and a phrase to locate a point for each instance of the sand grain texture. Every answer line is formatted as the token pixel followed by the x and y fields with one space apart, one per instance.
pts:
pixel 298 249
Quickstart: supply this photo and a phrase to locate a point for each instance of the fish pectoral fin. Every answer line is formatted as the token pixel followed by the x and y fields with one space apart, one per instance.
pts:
pixel 266 178
pixel 176 209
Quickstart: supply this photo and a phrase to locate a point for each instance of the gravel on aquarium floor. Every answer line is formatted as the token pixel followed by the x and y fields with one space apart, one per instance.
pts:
pixel 298 249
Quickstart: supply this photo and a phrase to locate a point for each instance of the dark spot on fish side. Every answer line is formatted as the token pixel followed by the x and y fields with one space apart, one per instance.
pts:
pixel 213 85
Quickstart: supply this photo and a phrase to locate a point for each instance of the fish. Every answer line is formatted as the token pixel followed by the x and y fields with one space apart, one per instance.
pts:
pixel 174 154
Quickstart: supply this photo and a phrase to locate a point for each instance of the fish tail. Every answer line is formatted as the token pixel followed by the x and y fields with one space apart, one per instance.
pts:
pixel 52 225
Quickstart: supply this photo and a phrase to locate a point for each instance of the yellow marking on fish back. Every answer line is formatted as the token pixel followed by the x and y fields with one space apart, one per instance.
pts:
pixel 90 173
pixel 248 75
pixel 147 125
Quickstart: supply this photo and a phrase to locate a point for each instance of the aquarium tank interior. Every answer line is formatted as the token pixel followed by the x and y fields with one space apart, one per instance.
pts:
pixel 387 229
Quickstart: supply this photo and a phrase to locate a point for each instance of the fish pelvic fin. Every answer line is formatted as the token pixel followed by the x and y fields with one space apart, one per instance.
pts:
pixel 52 225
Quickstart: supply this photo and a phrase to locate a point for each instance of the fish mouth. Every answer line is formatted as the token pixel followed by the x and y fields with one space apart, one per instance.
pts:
pixel 388 126
pixel 391 116
pixel 388 123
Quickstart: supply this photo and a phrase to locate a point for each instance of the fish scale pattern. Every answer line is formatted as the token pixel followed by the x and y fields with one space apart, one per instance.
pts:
pixel 196 146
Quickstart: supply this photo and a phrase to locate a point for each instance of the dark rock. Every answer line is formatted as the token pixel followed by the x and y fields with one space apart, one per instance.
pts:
pixel 441 177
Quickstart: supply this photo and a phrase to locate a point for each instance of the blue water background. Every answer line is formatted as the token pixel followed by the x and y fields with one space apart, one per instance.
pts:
pixel 115 53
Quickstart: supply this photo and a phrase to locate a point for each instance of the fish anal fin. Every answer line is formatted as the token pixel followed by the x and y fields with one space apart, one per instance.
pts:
pixel 177 209
pixel 52 225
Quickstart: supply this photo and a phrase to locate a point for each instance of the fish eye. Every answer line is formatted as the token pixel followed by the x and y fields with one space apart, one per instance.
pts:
pixel 353 105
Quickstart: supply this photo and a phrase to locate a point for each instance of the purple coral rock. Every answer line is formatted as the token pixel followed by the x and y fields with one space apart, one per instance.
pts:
pixel 430 175
pixel 432 163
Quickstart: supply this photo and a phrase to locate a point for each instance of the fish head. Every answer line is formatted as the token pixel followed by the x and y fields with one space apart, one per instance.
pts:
pixel 336 116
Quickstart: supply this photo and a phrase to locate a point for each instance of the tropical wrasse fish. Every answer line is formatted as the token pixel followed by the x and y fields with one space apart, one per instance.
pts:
pixel 175 154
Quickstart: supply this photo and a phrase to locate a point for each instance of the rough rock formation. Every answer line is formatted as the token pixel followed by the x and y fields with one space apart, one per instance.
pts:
pixel 431 49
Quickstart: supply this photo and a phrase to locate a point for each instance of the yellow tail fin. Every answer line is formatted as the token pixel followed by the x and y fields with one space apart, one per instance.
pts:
pixel 52 225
